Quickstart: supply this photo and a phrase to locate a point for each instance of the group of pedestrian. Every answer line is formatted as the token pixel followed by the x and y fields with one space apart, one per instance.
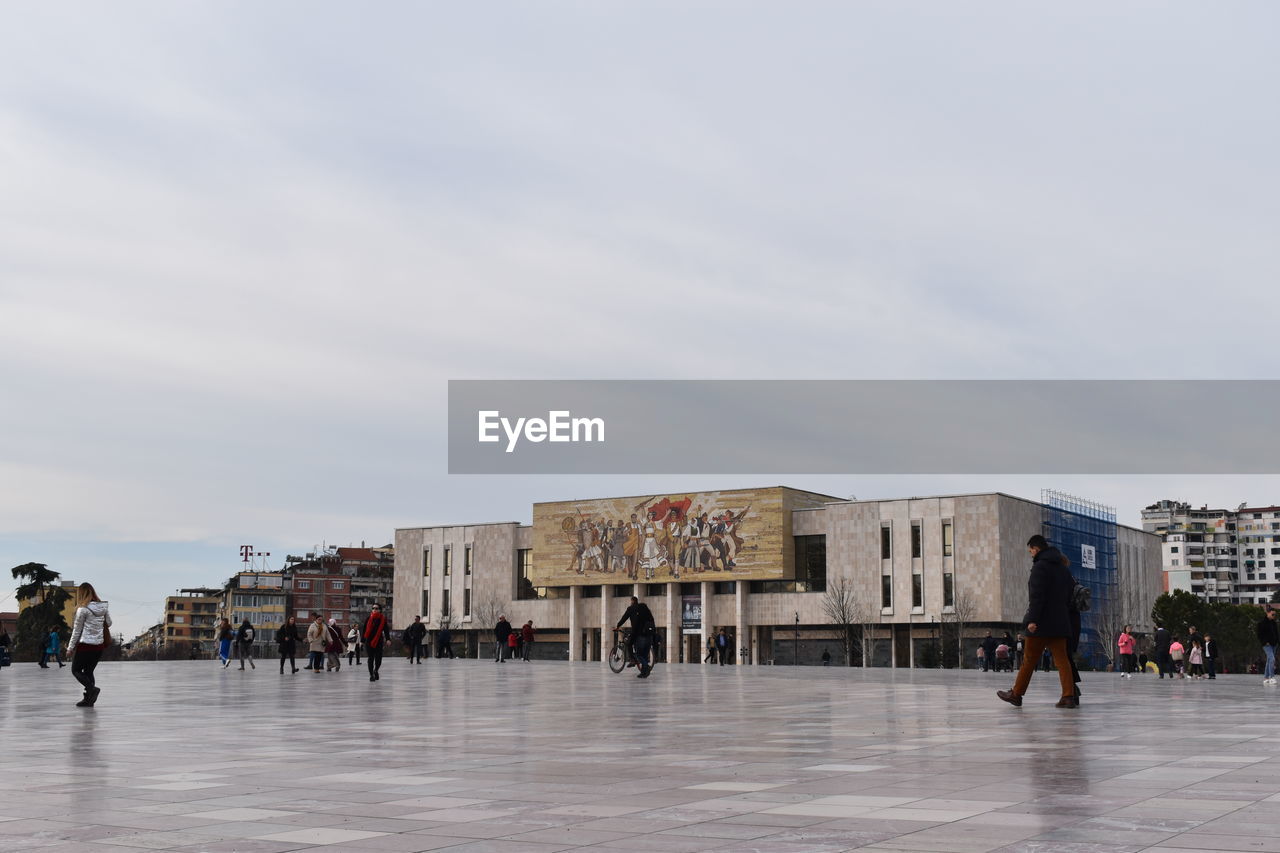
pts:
pixel 720 647
pixel 512 642
pixel 1196 658
pixel 325 643
pixel 998 655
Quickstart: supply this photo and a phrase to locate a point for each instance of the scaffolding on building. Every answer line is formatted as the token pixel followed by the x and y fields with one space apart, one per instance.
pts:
pixel 1085 531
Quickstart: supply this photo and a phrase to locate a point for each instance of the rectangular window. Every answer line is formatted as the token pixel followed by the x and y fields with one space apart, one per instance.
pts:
pixel 466 602
pixel 917 590
pixel 916 540
pixel 448 560
pixel 179 619
pixel 655 589
pixel 445 612
pixel 466 561
pixel 591 591
pixel 948 590
pixel 426 562
pixel 947 536
pixel 337 586
pixel 811 563
pixel 886 591
pixel 1173 549
pixel 426 604
pixel 886 542
pixel 304 584
pixel 725 587
pixel 620 590
pixel 525 590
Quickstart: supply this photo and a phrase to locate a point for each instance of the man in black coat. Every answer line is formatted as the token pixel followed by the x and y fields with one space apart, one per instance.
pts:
pixel 643 629
pixel 413 637
pixel 989 652
pixel 501 632
pixel 1160 645
pixel 1048 621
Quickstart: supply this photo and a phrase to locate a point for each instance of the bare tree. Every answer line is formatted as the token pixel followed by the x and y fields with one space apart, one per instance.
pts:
pixel 843 610
pixel 485 613
pixel 963 609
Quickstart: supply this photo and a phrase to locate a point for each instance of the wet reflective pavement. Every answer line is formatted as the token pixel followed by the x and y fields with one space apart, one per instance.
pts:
pixel 474 757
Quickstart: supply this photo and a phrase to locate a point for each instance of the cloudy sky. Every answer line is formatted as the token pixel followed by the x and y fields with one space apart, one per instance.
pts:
pixel 243 246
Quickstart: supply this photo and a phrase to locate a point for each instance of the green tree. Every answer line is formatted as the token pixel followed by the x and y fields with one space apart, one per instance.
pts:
pixel 1275 597
pixel 1234 627
pixel 44 614
pixel 1179 610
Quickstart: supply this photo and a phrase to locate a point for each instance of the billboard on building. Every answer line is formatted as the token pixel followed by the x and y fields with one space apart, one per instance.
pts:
pixel 739 534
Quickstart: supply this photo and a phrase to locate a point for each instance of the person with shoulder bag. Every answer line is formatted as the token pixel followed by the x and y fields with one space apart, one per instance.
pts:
pixel 90 637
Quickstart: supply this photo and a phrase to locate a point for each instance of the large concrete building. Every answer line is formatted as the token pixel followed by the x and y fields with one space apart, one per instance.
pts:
pixel 1224 555
pixel 191 620
pixel 764 565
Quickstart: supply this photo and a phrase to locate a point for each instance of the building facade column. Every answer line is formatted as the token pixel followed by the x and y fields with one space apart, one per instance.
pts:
pixel 740 632
pixel 575 635
pixel 707 589
pixel 675 632
pixel 606 626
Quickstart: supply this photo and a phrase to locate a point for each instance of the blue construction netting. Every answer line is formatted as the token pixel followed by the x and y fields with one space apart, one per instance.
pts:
pixel 1085 531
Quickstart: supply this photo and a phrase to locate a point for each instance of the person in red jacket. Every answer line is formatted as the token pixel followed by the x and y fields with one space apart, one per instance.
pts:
pixel 376 635
pixel 527 633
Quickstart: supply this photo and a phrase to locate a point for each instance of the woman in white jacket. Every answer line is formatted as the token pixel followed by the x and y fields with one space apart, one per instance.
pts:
pixel 89 639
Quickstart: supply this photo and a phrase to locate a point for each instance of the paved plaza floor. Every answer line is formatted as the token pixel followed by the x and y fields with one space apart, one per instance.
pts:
pixel 475 757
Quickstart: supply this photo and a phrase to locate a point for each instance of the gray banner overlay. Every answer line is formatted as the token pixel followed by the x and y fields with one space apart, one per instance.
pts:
pixel 864 427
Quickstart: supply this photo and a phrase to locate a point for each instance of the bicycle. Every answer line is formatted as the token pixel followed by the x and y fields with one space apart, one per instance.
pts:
pixel 620 656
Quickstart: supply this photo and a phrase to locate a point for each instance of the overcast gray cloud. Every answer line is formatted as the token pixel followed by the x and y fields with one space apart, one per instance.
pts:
pixel 243 246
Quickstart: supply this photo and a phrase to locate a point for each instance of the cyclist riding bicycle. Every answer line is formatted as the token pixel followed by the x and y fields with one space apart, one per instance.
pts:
pixel 642 630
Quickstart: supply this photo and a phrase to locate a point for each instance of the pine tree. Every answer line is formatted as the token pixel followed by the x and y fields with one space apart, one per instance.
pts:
pixel 44 614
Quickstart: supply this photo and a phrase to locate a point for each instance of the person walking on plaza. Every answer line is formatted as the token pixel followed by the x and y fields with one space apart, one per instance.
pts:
pixel 527 636
pixel 287 638
pixel 353 645
pixel 1195 660
pixel 90 637
pixel 501 632
pixel 52 649
pixel 244 644
pixel 1210 657
pixel 513 644
pixel 1177 655
pixel 1126 644
pixel 225 635
pixel 1018 648
pixel 444 643
pixel 376 634
pixel 711 650
pixel 1269 637
pixel 413 637
pixel 1160 647
pixel 989 652
pixel 317 639
pixel 722 646
pixel 1047 621
pixel 334 646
